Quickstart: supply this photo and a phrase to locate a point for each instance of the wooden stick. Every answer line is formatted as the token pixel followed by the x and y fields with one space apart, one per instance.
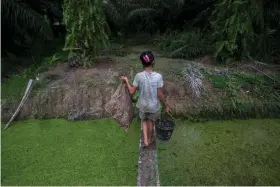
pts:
pixel 24 98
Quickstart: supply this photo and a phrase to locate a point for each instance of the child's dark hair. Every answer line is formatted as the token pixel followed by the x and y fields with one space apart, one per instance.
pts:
pixel 147 58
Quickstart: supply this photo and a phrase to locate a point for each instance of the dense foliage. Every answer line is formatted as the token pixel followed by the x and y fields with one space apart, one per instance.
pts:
pixel 145 15
pixel 238 29
pixel 187 28
pixel 85 21
pixel 241 28
pixel 25 21
pixel 28 30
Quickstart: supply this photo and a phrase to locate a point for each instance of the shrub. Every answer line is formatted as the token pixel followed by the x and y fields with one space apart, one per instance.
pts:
pixel 86 22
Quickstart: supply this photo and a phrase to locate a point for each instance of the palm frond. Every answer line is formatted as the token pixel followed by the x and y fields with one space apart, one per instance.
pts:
pixel 117 11
pixel 141 12
pixel 174 7
pixel 179 3
pixel 153 4
pixel 54 10
pixel 122 12
pixel 113 12
pixel 21 18
pixel 202 15
pixel 193 76
pixel 177 51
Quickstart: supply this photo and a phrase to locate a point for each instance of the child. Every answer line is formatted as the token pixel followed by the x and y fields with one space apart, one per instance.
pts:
pixel 149 84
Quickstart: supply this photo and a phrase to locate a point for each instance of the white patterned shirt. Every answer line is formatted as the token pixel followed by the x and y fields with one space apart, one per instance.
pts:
pixel 147 84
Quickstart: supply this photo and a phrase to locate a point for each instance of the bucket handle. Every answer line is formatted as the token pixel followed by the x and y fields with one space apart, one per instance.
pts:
pixel 162 116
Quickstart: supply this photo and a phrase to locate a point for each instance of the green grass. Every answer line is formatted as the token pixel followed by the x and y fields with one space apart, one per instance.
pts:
pixel 258 86
pixel 58 152
pixel 14 88
pixel 222 153
pixel 239 79
pixel 219 81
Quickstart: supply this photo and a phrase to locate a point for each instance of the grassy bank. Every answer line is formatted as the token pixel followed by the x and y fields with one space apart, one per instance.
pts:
pixel 221 153
pixel 58 152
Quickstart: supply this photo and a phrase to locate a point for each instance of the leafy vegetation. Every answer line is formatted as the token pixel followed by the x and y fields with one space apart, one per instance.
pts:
pixel 228 30
pixel 27 23
pixel 261 86
pixel 238 29
pixel 13 89
pixel 246 96
pixel 143 15
pixel 187 44
pixel 86 24
pixel 22 19
pixel 234 27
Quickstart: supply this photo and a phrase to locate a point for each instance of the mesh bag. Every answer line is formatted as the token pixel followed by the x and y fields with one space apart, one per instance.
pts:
pixel 120 107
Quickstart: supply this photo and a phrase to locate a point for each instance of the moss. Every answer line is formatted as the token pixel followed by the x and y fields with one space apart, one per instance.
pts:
pixel 221 153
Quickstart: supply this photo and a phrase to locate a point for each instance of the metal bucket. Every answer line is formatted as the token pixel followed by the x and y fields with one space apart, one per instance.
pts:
pixel 164 129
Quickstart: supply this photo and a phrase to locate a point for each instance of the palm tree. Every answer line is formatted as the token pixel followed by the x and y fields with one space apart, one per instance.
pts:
pixel 24 21
pixel 142 15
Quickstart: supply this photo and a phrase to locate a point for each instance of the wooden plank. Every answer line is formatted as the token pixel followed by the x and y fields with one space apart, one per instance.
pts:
pixel 148 173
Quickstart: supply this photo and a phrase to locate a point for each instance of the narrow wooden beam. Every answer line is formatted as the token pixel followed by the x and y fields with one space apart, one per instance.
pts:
pixel 148 173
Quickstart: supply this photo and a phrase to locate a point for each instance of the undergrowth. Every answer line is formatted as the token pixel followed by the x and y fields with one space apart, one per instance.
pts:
pixel 187 44
pixel 116 50
pixel 13 89
pixel 256 86
pixel 243 95
pixel 246 96
pixel 239 109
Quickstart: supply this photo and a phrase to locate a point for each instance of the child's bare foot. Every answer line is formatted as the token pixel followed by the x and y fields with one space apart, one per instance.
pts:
pixel 146 143
pixel 151 140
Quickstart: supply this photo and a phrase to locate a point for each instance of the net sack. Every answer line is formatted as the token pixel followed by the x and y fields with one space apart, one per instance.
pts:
pixel 120 108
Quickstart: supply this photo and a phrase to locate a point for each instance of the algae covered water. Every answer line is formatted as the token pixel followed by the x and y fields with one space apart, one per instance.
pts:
pixel 221 153
pixel 57 152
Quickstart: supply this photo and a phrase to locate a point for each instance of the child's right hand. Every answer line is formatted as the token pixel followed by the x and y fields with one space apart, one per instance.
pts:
pixel 124 79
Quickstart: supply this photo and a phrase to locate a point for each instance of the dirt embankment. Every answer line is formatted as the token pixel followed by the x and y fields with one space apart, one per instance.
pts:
pixel 81 93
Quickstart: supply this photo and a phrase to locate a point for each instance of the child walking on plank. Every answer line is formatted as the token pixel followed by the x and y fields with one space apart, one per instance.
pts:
pixel 149 84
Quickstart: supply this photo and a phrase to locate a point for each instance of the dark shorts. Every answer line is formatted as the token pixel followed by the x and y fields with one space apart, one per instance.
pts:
pixel 151 116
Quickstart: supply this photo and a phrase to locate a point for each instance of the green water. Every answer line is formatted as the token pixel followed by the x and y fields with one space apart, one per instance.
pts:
pixel 58 152
pixel 221 153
